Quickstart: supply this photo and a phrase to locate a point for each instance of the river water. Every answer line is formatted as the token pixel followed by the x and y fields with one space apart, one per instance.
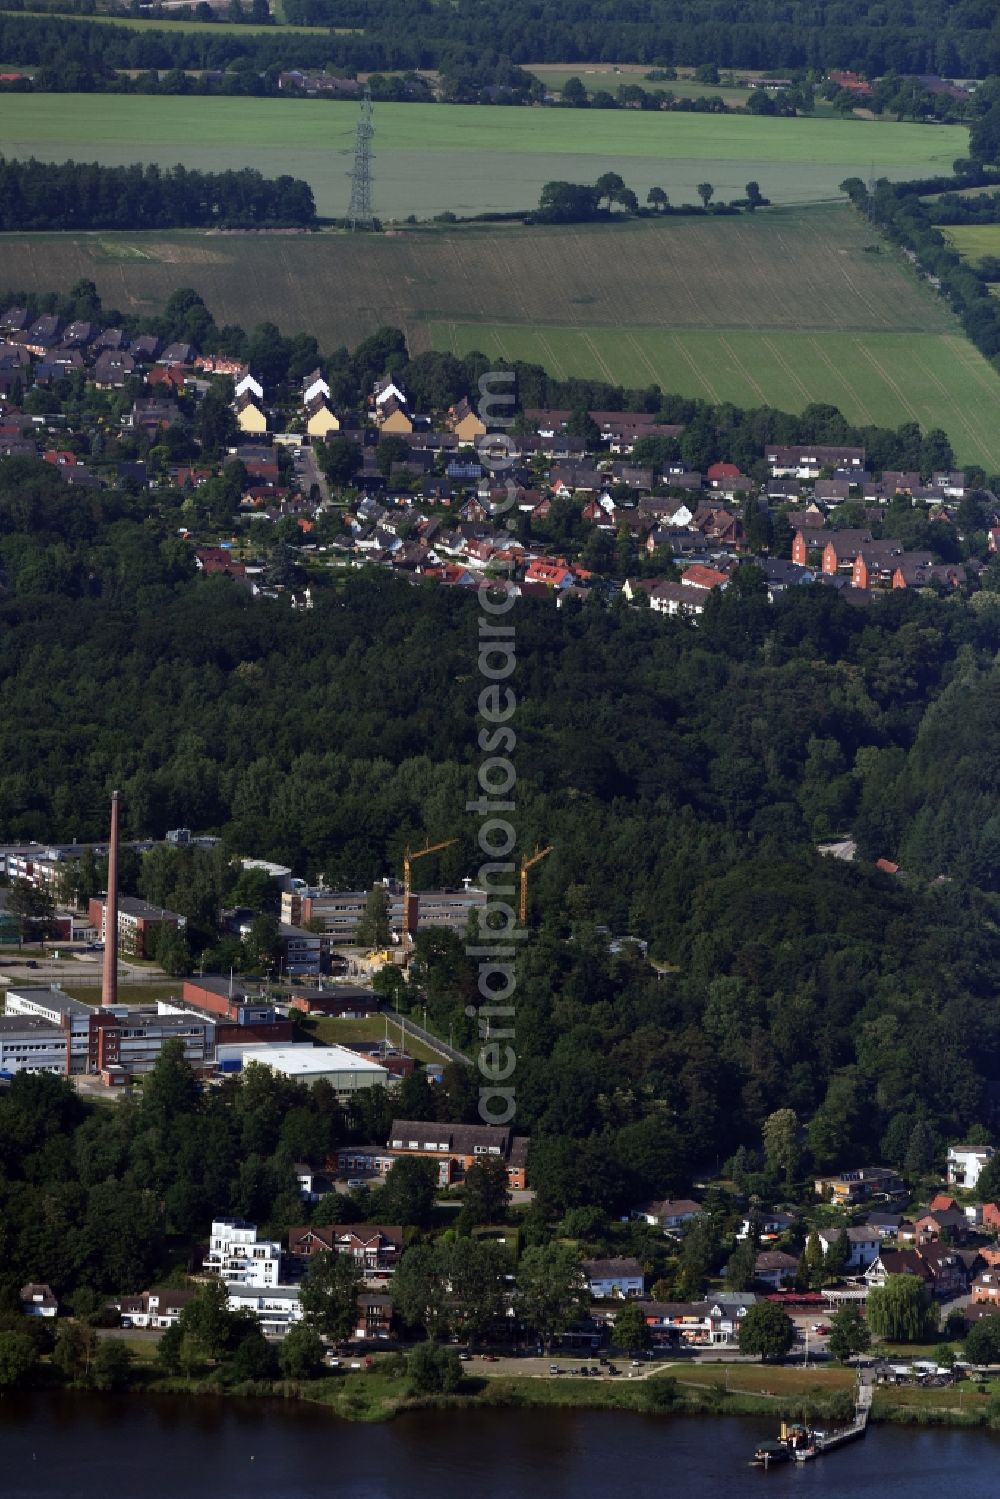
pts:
pixel 90 1447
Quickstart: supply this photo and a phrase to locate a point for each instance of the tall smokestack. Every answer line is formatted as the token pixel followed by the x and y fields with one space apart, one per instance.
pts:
pixel 109 986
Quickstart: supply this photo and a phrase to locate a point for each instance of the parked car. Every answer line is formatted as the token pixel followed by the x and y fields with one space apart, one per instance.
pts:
pixel 490 1358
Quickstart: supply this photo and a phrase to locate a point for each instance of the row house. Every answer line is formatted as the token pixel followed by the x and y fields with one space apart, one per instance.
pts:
pixel 704 578
pixel 915 572
pixel 374 1247
pixel 808 462
pixel 677 601
pixel 874 564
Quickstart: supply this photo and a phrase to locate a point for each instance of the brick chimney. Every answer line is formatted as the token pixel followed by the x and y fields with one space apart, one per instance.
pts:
pixel 109 985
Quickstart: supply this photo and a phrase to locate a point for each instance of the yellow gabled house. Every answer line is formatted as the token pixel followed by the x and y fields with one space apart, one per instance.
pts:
pixel 320 420
pixel 464 422
pixel 392 417
pixel 250 415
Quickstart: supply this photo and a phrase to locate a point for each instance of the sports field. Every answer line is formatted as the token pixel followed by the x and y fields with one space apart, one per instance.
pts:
pixel 783 307
pixel 471 159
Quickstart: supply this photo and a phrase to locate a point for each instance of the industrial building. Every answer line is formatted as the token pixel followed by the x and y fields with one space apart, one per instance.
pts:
pixel 340 911
pixel 45 1030
pixel 345 1071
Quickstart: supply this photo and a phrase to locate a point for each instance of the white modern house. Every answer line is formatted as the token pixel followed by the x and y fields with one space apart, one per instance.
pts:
pixel 965 1162
pixel 237 1256
pixel 276 1308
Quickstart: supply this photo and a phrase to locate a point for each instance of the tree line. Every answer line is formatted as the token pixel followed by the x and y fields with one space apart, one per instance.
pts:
pixel 574 202
pixel 85 195
pixel 902 38
pixel 901 213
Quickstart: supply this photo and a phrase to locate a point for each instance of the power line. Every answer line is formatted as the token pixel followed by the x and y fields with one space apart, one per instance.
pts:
pixel 361 215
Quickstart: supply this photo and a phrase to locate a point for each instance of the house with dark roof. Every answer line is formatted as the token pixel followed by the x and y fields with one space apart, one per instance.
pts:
pixel 374 1247
pixel 456 1147
pixel 775 1268
pixel 38 1300
pixel 669 1213
pixel 614 1278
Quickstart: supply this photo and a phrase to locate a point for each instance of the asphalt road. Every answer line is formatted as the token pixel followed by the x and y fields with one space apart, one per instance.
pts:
pixel 308 473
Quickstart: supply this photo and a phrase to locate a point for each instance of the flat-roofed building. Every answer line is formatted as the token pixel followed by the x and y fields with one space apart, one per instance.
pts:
pixel 345 1071
pixel 340 911
pixel 138 923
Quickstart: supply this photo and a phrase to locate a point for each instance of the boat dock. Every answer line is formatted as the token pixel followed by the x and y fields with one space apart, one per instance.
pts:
pixel 802 1445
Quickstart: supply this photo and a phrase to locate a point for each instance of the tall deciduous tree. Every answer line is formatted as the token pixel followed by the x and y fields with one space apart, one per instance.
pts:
pixel 486 1191
pixel 329 1295
pixel 901 1311
pixel 766 1331
pixel 850 1334
pixel 631 1328
pixel 551 1293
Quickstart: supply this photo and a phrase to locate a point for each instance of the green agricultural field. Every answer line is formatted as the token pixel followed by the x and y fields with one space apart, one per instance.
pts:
pixel 938 380
pixel 777 269
pixel 144 23
pixel 973 241
pixel 597 76
pixel 469 159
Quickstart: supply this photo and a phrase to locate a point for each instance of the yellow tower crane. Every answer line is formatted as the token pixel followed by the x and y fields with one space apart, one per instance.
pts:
pixel 409 859
pixel 527 864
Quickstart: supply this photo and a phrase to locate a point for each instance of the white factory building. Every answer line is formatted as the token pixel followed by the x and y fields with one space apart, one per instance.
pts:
pixel 346 1071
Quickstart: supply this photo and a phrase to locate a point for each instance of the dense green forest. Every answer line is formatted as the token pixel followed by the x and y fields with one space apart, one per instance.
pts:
pixel 85 195
pixel 474 39
pixel 682 774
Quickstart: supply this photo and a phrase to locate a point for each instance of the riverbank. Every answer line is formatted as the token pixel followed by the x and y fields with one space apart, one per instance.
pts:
pixel 819 1395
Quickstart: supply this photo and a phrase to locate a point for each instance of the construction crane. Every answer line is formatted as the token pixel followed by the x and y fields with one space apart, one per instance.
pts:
pixel 409 859
pixel 527 864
